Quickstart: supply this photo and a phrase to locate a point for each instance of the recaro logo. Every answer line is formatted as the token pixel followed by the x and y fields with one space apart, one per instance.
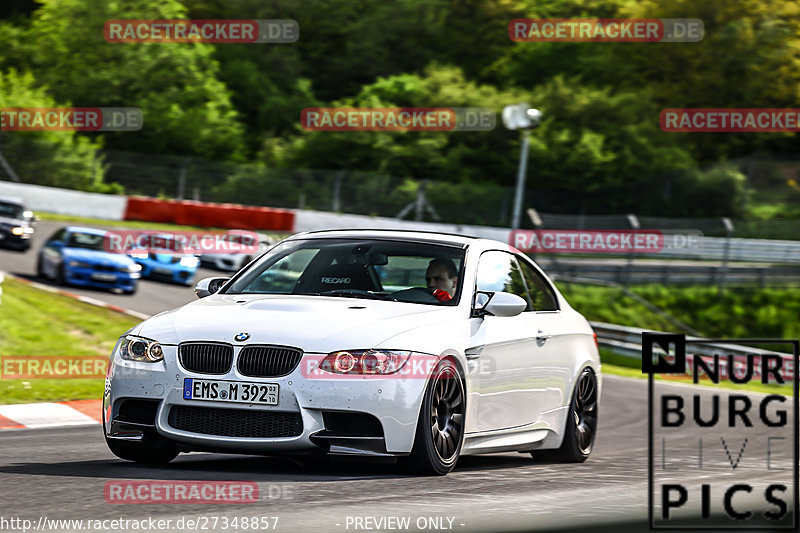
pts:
pixel 336 281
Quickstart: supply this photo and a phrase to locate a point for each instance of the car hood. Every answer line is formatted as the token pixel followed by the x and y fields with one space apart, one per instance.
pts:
pixel 96 257
pixel 9 221
pixel 316 324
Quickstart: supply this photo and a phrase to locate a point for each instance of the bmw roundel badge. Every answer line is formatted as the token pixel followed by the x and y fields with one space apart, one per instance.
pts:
pixel 242 336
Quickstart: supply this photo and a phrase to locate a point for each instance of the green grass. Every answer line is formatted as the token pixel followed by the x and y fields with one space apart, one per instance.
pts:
pixel 628 367
pixel 37 322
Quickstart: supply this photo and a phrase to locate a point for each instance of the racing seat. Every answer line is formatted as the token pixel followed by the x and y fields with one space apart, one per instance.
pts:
pixel 355 276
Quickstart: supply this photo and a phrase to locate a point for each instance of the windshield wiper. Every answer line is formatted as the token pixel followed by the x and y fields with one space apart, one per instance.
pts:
pixel 348 293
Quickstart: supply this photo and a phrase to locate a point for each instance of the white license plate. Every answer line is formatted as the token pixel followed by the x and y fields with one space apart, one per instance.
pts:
pixel 230 391
pixel 104 277
pixel 162 271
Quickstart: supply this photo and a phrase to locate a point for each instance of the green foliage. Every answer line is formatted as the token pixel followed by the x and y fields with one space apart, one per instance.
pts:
pixel 61 159
pixel 744 312
pixel 187 110
pixel 599 150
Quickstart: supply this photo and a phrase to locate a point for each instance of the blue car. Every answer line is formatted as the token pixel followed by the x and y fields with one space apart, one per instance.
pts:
pixel 169 264
pixel 77 256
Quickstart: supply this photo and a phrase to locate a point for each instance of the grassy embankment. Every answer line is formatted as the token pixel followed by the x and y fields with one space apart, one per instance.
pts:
pixel 37 322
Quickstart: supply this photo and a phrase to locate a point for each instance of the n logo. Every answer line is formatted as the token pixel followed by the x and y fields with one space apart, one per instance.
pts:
pixel 670 343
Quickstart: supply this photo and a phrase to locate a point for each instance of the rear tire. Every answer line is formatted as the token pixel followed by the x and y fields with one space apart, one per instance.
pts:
pixel 159 454
pixel 581 426
pixel 440 427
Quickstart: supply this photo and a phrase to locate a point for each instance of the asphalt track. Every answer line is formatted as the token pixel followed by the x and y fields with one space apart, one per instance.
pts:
pixel 151 297
pixel 59 474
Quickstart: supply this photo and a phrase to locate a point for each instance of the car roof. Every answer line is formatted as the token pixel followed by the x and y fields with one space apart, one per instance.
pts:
pixel 433 237
pixel 13 200
pixel 83 229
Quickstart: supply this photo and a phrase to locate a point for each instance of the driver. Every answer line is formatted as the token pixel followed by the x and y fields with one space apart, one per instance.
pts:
pixel 442 277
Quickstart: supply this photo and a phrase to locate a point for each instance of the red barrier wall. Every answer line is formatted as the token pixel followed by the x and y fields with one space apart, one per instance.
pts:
pixel 208 215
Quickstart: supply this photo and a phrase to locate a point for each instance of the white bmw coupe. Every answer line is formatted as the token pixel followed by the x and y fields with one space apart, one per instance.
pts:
pixel 410 345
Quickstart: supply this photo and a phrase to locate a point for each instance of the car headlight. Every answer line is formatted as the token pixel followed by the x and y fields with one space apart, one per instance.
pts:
pixel 79 264
pixel 364 361
pixel 189 261
pixel 19 230
pixel 140 349
pixel 131 268
pixel 138 255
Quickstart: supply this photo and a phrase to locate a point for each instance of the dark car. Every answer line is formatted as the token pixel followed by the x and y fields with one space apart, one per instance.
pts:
pixel 16 230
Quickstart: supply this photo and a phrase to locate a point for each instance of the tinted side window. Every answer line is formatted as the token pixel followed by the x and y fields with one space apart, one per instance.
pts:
pixel 541 295
pixel 58 235
pixel 498 272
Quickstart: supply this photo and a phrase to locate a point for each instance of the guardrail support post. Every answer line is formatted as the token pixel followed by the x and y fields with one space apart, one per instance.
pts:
pixel 633 222
pixel 726 253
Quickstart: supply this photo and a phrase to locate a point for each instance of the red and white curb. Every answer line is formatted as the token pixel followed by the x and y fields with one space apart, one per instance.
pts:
pixel 57 414
pixel 51 414
pixel 84 299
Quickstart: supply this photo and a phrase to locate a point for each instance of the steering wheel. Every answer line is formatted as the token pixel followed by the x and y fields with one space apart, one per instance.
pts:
pixel 414 295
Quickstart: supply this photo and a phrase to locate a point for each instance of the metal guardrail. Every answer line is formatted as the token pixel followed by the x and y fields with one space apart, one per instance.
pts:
pixel 668 273
pixel 627 341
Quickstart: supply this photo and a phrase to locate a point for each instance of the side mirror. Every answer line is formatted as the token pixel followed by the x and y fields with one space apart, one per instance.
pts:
pixel 208 286
pixel 498 304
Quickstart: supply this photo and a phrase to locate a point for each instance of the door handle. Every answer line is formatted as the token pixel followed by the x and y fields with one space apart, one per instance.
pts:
pixel 542 336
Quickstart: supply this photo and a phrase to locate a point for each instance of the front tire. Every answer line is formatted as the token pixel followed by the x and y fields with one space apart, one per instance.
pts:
pixel 440 427
pixel 61 275
pixel 581 426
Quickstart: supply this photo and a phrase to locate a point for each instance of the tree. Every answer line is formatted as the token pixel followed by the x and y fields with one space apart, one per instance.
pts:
pixel 187 110
pixel 60 159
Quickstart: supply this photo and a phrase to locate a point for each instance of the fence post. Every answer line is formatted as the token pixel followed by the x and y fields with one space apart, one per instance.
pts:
pixel 633 222
pixel 725 254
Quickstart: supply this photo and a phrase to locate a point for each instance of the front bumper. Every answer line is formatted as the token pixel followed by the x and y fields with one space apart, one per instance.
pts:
pixel 319 404
pixel 89 277
pixel 20 242
pixel 170 272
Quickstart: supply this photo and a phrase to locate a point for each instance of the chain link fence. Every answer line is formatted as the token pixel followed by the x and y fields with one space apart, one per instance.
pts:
pixel 367 193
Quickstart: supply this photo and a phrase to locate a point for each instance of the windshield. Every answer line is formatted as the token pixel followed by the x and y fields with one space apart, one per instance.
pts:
pixel 10 210
pixel 357 268
pixel 90 241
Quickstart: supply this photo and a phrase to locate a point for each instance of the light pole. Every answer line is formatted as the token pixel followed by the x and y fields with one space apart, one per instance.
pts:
pixel 521 117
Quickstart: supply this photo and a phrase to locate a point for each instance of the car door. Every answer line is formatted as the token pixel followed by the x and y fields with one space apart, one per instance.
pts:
pixel 554 330
pixel 512 381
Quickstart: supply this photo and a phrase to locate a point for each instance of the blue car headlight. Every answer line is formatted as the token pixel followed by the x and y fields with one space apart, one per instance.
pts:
pixel 140 349
pixel 79 264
